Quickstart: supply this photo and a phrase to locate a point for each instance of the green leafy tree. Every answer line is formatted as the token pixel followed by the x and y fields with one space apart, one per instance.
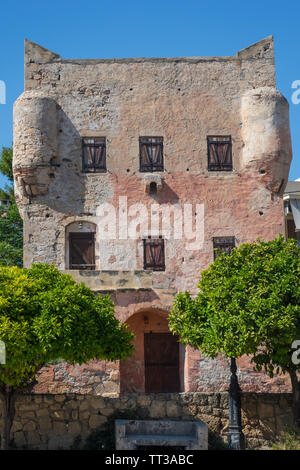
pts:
pixel 248 303
pixel 46 316
pixel 6 169
pixel 11 236
pixel 11 224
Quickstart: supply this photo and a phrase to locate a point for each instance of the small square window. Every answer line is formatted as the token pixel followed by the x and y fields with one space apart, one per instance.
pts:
pixel 93 154
pixel 151 154
pixel 219 149
pixel 223 244
pixel 154 254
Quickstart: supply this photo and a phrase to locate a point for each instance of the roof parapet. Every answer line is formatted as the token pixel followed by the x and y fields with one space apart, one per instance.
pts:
pixel 36 53
pixel 258 50
pixel 264 48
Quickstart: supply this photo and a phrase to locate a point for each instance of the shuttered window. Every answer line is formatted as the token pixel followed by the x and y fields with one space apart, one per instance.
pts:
pixel 82 250
pixel 94 155
pixel 219 150
pixel 154 254
pixel 223 244
pixel 151 154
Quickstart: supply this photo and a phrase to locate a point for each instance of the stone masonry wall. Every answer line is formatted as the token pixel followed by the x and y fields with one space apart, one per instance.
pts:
pixel 183 100
pixel 107 379
pixel 45 421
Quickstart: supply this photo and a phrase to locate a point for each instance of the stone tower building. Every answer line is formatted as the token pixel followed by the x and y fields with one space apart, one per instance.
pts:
pixel 102 145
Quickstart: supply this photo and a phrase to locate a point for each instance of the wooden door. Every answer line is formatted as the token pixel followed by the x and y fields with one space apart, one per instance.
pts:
pixel 161 363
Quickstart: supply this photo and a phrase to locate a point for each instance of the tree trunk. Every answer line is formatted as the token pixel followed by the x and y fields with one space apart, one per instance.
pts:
pixel 296 398
pixel 8 414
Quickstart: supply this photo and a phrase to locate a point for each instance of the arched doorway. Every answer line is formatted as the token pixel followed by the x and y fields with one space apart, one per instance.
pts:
pixel 157 364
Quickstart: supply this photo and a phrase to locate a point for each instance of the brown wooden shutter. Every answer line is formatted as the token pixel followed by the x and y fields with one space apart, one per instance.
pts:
pixel 94 154
pixel 219 153
pixel 151 154
pixel 82 250
pixel 154 254
pixel 161 363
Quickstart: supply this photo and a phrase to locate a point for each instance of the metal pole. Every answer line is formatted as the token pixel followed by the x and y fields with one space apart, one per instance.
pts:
pixel 235 435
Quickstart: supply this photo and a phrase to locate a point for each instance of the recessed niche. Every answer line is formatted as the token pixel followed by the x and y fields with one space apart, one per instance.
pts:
pixel 153 183
pixel 153 188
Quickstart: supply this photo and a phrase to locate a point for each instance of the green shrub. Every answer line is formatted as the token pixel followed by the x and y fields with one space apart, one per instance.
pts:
pixel 290 440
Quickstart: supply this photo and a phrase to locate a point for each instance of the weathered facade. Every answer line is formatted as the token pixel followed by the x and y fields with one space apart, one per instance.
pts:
pixel 217 135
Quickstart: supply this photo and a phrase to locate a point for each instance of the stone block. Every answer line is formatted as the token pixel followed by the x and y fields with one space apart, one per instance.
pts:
pixel 19 439
pixel 45 424
pixel 173 410
pixel 60 398
pixel 97 403
pixel 265 410
pixel 96 420
pixel 157 409
pixel 84 405
pixel 29 426
pixel 144 400
pixel 33 438
pixel 74 427
pixel 16 426
pixel 74 414
pixel 59 428
pixel 107 411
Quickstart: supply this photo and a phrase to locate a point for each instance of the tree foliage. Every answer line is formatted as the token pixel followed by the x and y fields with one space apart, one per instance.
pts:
pixel 245 300
pixel 248 303
pixel 11 236
pixel 6 170
pixel 6 162
pixel 45 315
pixel 11 224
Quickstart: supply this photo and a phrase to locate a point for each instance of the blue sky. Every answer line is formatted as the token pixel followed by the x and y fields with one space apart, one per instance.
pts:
pixel 165 28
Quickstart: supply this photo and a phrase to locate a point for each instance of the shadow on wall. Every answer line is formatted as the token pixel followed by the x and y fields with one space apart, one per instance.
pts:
pixel 51 171
pixel 165 195
pixel 68 186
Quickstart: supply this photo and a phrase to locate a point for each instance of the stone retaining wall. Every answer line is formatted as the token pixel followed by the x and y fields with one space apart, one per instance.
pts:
pixel 55 421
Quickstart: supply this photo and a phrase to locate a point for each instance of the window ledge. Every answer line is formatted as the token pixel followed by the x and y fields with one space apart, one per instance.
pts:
pixel 112 280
